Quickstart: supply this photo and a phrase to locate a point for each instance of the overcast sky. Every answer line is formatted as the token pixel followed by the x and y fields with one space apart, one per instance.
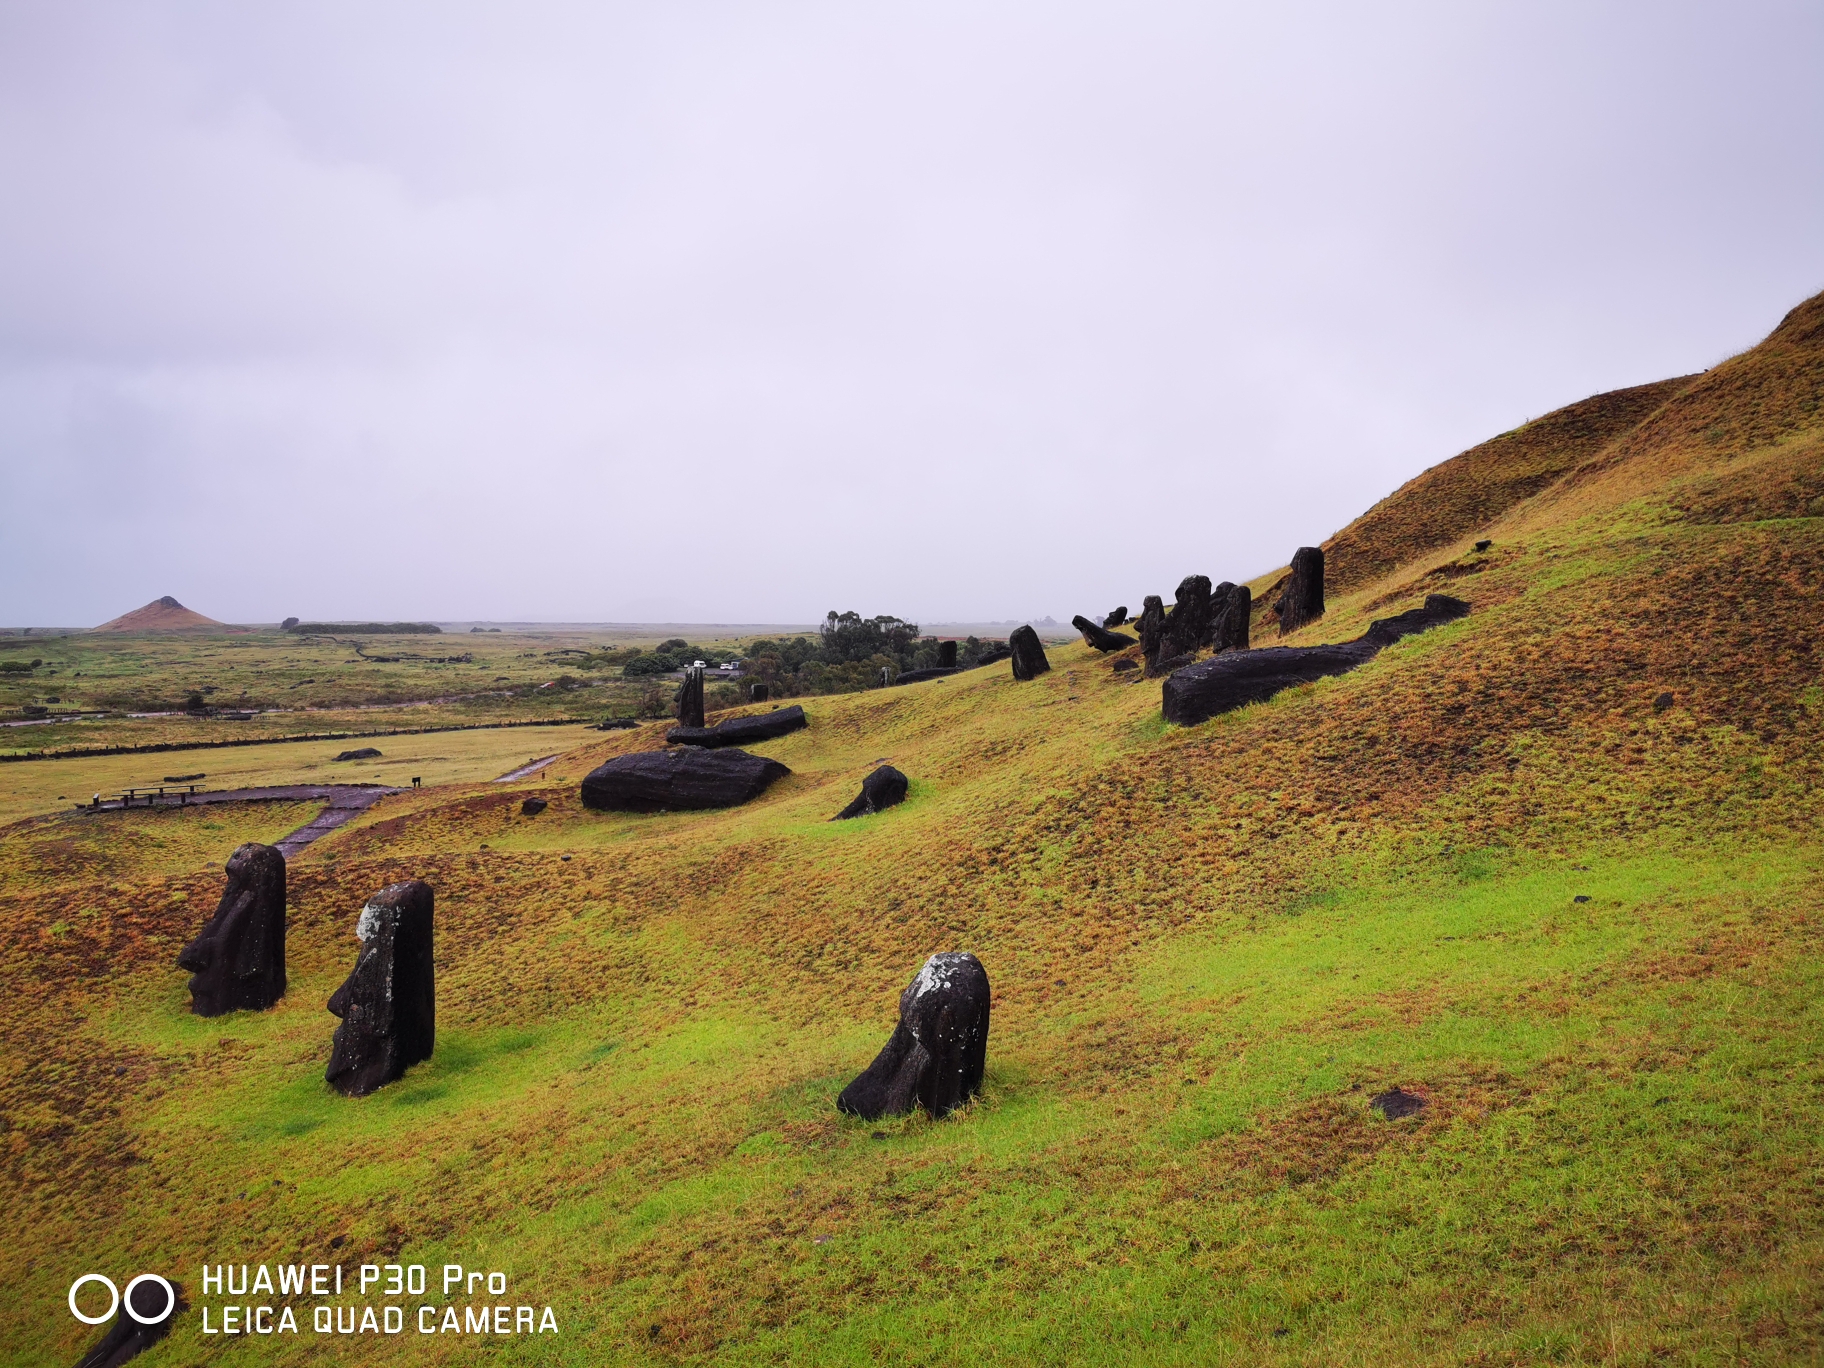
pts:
pixel 744 312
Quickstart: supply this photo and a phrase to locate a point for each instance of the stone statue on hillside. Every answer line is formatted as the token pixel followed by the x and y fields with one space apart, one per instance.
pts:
pixel 1187 630
pixel 1118 618
pixel 756 693
pixel 690 698
pixel 388 1004
pixel 886 787
pixel 946 655
pixel 1152 628
pixel 1303 599
pixel 1029 660
pixel 237 960
pixel 938 1051
pixel 1231 627
pixel 1100 637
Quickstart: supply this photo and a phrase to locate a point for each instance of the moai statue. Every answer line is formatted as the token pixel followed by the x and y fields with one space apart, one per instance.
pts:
pixel 1152 629
pixel 1232 631
pixel 1118 618
pixel 946 655
pixel 884 788
pixel 936 1055
pixel 388 1004
pixel 1187 630
pixel 690 698
pixel 237 960
pixel 756 693
pixel 1029 660
pixel 1303 599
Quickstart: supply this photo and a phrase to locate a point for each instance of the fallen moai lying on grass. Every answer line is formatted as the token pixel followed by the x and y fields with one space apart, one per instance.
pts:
pixel 935 1057
pixel 365 753
pixel 155 1303
pixel 1116 618
pixel 684 779
pixel 930 672
pixel 884 788
pixel 237 961
pixel 741 731
pixel 1100 637
pixel 1029 660
pixel 388 1003
pixel 1224 682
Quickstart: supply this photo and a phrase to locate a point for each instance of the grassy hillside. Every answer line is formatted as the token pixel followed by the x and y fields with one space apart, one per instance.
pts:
pixel 1497 866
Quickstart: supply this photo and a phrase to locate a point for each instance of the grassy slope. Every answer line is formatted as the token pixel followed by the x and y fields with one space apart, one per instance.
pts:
pixel 1209 947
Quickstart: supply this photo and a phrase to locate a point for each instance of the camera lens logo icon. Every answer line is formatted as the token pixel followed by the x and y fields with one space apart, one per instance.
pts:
pixel 115 1298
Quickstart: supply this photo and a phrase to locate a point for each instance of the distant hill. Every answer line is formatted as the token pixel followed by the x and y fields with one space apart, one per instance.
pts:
pixel 162 615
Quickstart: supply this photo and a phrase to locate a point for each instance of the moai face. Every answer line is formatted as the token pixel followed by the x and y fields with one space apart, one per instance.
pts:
pixel 237 961
pixel 388 1003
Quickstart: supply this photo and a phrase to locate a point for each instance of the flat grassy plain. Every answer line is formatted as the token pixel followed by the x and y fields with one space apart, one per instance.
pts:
pixel 1554 867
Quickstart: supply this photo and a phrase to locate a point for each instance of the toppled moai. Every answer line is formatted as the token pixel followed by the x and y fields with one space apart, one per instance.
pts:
pixel 237 961
pixel 946 655
pixel 1231 628
pixel 1187 630
pixel 742 731
pixel 936 1055
pixel 685 779
pixel 1118 618
pixel 1303 598
pixel 886 787
pixel 388 1004
pixel 1029 660
pixel 1152 628
pixel 1100 637
pixel 690 698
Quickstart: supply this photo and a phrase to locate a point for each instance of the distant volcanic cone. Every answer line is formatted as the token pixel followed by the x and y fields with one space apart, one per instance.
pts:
pixel 162 615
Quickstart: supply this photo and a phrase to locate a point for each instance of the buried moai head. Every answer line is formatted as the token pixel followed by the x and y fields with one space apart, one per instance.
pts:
pixel 1152 626
pixel 149 1307
pixel 1303 599
pixel 886 787
pixel 388 1004
pixel 946 655
pixel 1187 630
pixel 937 1053
pixel 1233 610
pixel 237 961
pixel 1029 660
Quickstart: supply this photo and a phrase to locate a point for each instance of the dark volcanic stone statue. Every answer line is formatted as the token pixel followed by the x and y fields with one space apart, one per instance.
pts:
pixel 920 676
pixel 388 1005
pixel 935 1056
pixel 1187 630
pixel 946 655
pixel 1152 627
pixel 742 731
pixel 1117 618
pixel 690 698
pixel 884 788
pixel 237 960
pixel 128 1337
pixel 1234 679
pixel 1303 599
pixel 1232 622
pixel 756 693
pixel 688 778
pixel 992 655
pixel 1100 637
pixel 1029 660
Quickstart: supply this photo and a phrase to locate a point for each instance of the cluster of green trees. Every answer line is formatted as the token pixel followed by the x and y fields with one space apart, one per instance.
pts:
pixel 848 653
pixel 671 655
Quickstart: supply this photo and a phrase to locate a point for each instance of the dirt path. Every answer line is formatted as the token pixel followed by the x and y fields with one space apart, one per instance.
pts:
pixel 525 770
pixel 345 802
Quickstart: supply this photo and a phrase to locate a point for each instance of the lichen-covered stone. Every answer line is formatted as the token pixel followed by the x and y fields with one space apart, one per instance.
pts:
pixel 937 1053
pixel 388 1003
pixel 237 961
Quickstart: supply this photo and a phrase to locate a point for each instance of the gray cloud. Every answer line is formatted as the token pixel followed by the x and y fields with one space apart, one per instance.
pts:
pixel 746 312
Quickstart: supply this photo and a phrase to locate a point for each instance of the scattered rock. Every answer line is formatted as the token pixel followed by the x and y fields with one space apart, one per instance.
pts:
pixel 1581 898
pixel 1303 599
pixel 533 806
pixel 742 731
pixel 237 961
pixel 1118 618
pixel 388 1003
pixel 127 1337
pixel 1125 664
pixel 1230 632
pixel 946 655
pixel 1152 628
pixel 365 753
pixel 619 724
pixel 1029 660
pixel 756 693
pixel 1100 637
pixel 1199 692
pixel 937 1052
pixel 884 788
pixel 1664 701
pixel 919 676
pixel 690 698
pixel 686 779
pixel 1484 544
pixel 1394 1104
pixel 1187 630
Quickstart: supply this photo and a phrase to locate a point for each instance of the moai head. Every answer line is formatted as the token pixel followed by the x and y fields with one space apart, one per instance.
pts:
pixel 388 1004
pixel 237 961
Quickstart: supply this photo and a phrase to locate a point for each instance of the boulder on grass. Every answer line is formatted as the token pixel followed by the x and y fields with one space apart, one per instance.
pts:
pixel 742 731
pixel 884 788
pixel 1100 637
pixel 533 806
pixel 237 961
pixel 1234 679
pixel 365 753
pixel 1029 660
pixel 1303 598
pixel 682 780
pixel 388 1004
pixel 938 1051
